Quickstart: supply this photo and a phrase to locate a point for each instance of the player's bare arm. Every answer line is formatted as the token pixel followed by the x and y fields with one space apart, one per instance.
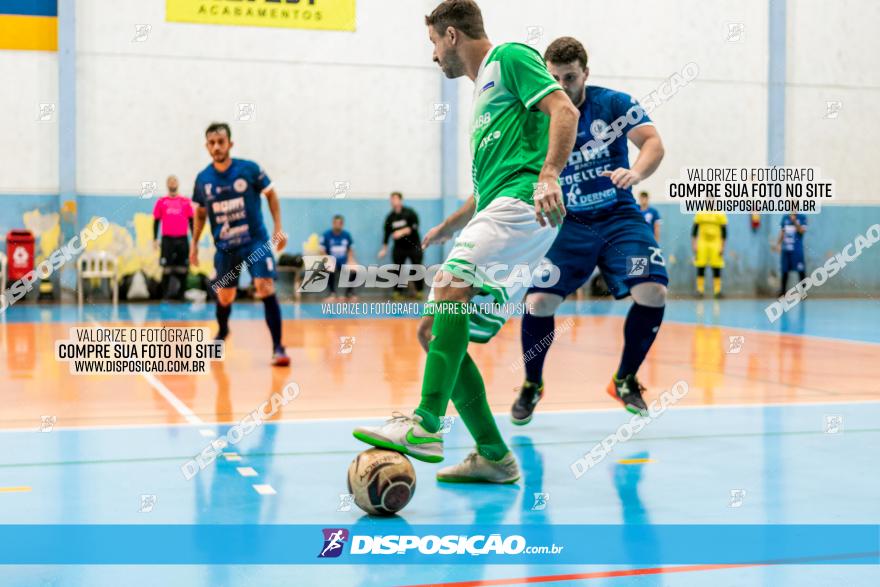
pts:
pixel 647 140
pixel 561 138
pixel 198 225
pixel 456 221
pixel 279 237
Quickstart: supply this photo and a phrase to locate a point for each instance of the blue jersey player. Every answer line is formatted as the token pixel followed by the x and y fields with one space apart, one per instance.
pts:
pixel 603 227
pixel 228 192
pixel 791 247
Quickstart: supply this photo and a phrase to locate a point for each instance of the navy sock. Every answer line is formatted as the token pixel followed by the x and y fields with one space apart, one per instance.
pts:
pixel 639 332
pixel 537 335
pixel 273 319
pixel 223 313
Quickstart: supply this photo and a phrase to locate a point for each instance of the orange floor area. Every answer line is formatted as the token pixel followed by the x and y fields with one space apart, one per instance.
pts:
pixel 382 369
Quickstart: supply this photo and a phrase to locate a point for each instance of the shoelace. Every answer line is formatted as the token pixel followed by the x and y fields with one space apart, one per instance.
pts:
pixel 398 416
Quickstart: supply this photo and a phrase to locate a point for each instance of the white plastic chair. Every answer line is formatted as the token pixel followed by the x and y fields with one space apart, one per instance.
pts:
pixel 97 264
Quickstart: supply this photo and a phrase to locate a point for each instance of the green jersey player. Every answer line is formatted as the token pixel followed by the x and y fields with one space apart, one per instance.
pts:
pixel 522 131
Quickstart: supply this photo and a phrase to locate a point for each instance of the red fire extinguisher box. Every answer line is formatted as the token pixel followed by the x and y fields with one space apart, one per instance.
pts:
pixel 19 253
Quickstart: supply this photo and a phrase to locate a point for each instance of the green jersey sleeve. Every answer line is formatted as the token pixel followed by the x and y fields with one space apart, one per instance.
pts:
pixel 525 74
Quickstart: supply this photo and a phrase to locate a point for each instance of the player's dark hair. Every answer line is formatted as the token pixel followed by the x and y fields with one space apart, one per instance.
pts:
pixel 564 50
pixel 398 194
pixel 218 126
pixel 463 15
pixel 338 217
pixel 643 194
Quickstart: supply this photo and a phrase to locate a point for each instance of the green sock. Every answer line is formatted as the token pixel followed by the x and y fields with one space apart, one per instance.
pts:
pixel 469 397
pixel 445 353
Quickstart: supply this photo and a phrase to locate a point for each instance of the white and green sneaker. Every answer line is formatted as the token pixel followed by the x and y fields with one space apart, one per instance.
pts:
pixel 406 435
pixel 476 468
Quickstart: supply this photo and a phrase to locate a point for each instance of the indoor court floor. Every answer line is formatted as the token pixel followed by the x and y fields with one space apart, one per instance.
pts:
pixel 779 426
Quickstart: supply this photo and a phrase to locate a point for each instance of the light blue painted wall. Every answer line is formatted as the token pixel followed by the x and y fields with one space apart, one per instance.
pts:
pixel 751 269
pixel 301 218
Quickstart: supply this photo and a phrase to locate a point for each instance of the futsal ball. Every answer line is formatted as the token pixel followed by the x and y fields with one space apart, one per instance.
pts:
pixel 382 481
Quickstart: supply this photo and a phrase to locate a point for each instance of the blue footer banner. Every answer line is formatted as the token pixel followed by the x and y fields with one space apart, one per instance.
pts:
pixel 396 542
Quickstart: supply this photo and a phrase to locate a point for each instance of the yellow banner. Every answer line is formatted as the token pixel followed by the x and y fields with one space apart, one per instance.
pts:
pixel 331 15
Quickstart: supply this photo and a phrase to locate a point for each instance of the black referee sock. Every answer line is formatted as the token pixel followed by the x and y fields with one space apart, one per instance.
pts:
pixel 223 313
pixel 273 319
pixel 639 332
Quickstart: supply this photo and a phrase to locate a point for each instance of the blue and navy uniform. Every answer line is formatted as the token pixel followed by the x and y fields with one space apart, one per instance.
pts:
pixel 792 244
pixel 233 202
pixel 651 216
pixel 337 245
pixel 603 226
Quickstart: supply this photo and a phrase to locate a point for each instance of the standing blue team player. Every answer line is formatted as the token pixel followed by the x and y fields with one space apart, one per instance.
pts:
pixel 791 245
pixel 228 192
pixel 603 227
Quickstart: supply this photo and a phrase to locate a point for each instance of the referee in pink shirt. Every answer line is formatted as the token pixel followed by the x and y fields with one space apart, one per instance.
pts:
pixel 175 215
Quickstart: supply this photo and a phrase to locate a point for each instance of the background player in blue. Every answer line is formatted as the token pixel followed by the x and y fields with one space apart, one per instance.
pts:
pixel 650 214
pixel 603 227
pixel 791 244
pixel 338 243
pixel 228 192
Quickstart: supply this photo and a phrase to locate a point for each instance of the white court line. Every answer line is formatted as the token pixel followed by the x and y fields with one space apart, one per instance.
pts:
pixel 742 328
pixel 501 415
pixel 172 399
pixel 778 333
pixel 247 471
pixel 264 489
pixel 160 388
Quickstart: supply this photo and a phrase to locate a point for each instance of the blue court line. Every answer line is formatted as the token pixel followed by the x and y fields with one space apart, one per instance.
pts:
pixel 838 319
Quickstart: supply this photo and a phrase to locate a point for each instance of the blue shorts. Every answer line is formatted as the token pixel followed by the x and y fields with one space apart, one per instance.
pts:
pixel 792 261
pixel 257 257
pixel 622 244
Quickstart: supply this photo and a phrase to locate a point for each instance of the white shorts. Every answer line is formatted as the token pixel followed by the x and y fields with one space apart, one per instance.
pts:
pixel 498 253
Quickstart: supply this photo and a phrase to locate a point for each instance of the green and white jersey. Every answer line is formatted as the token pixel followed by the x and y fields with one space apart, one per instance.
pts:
pixel 508 133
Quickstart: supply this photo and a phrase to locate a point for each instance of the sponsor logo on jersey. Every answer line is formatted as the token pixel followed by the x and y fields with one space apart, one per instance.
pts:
pixel 490 138
pixel 599 128
pixel 230 205
pixel 488 86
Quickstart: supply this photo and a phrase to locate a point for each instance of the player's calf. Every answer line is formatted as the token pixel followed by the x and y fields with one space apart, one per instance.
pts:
pixel 265 291
pixel 536 336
